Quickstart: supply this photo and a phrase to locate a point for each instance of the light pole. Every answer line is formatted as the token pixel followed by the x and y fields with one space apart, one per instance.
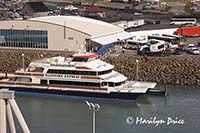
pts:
pixel 23 61
pixel 41 55
pixel 94 107
pixel 137 61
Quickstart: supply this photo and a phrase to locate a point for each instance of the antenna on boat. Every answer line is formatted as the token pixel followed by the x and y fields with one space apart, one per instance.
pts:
pixel 81 49
pixel 7 105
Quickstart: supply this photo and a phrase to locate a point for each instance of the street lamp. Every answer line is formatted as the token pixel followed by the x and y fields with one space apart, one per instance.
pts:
pixel 137 61
pixel 41 55
pixel 23 61
pixel 94 107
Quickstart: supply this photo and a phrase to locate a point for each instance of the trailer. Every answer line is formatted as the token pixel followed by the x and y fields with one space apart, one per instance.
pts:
pixel 183 21
pixel 134 44
pixel 130 24
pixel 172 41
pixel 153 48
pixel 188 31
pixel 135 23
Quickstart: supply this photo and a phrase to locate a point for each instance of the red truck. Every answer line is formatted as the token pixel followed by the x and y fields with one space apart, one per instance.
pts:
pixel 188 31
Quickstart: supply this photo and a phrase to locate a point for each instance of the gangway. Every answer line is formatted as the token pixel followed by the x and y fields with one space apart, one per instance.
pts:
pixel 103 49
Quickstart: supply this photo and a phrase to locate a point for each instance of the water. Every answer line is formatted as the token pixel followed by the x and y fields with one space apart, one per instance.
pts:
pixel 57 115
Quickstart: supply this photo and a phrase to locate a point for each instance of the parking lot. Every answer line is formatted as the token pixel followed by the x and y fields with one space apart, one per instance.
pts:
pixel 183 54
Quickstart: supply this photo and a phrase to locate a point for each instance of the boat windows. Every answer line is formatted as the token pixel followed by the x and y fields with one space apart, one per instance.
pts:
pixel 80 59
pixel 43 81
pixel 161 46
pixel 54 71
pixel 12 79
pixel 111 84
pixel 21 79
pixel 105 72
pixel 104 83
pixel 74 83
pixel 118 84
pixel 35 69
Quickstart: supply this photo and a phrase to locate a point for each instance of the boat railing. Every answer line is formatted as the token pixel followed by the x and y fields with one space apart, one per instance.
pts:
pixel 28 73
pixel 128 86
pixel 112 75
pixel 62 65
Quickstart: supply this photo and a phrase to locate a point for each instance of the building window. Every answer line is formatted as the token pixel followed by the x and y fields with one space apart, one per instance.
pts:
pixel 23 38
pixel 70 38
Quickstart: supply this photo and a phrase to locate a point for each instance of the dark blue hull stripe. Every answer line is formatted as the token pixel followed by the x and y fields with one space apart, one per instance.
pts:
pixel 75 94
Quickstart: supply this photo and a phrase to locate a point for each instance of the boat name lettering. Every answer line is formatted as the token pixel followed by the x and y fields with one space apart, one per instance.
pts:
pixel 63 76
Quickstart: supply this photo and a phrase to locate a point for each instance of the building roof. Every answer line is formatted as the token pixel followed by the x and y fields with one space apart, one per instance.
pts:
pixel 92 27
pixel 112 38
pixel 37 6
pixel 94 9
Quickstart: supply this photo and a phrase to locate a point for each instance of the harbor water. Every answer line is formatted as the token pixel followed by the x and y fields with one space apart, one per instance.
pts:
pixel 178 112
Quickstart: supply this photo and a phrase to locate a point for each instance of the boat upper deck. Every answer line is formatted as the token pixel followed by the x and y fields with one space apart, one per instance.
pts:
pixel 91 64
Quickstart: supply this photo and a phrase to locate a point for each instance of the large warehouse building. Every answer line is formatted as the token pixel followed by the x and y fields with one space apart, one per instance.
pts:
pixel 58 33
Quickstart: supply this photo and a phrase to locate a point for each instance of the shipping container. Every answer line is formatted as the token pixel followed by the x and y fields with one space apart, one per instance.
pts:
pixel 188 31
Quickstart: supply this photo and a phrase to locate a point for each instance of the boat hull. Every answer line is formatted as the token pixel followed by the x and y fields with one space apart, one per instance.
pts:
pixel 76 94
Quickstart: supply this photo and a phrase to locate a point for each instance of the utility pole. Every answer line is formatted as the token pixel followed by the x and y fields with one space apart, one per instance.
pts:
pixel 137 70
pixel 23 66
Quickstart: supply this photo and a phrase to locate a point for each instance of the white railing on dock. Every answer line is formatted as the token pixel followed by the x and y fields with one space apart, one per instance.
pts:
pixel 7 106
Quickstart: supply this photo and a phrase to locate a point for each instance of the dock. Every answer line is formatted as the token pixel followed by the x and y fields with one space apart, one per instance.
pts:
pixel 6 75
pixel 158 91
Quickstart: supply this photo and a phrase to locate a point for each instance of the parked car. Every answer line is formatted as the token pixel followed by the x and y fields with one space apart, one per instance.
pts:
pixel 191 45
pixel 194 50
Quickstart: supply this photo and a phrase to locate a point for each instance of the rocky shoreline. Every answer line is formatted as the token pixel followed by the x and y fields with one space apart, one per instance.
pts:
pixel 165 70
pixel 10 61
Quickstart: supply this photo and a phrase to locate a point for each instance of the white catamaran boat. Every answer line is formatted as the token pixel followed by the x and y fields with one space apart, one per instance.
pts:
pixel 83 75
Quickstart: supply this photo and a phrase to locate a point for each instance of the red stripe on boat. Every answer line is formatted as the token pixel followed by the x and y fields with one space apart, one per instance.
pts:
pixel 86 56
